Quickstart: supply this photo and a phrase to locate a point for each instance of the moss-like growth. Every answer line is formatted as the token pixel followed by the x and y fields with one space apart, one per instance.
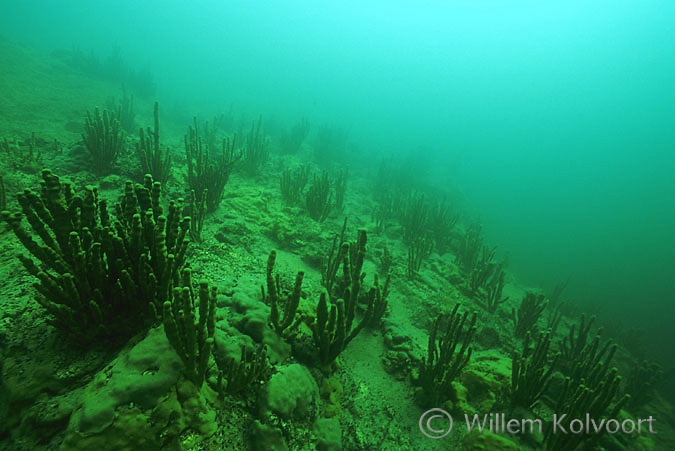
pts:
pixel 104 139
pixel 208 172
pixel 293 182
pixel 530 377
pixel 191 333
pixel 642 383
pixel 493 290
pixel 154 160
pixel 235 376
pixel 283 307
pixel 340 184
pixel 290 141
pixel 468 252
pixel 448 352
pixel 414 217
pixel 590 389
pixel 418 250
pixel 255 152
pixel 526 317
pixel 578 401
pixel 574 343
pixel 334 326
pixel 319 198
pixel 100 279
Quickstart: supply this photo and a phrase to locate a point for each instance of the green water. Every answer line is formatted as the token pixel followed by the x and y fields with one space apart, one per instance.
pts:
pixel 553 122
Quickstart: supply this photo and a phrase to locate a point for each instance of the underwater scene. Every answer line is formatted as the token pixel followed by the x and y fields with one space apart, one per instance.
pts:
pixel 293 225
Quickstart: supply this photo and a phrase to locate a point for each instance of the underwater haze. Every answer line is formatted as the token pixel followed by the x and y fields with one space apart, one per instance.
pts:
pixel 552 121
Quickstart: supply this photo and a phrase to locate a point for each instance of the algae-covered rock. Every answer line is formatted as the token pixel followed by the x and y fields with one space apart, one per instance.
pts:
pixel 23 384
pixel 134 403
pixel 247 313
pixel 138 377
pixel 267 438
pixel 328 434
pixel 397 363
pixel 47 417
pixel 195 408
pixel 485 379
pixel 291 393
pixel 487 441
pixel 129 432
pixel 228 343
pixel 331 392
pixel 250 317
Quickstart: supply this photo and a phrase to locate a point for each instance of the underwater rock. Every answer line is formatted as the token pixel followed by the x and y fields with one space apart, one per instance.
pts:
pixel 228 344
pixel 47 417
pixel 486 441
pixel 486 379
pixel 251 317
pixel 397 338
pixel 267 438
pixel 248 314
pixel 398 364
pixel 291 393
pixel 329 434
pixel 331 393
pixel 130 404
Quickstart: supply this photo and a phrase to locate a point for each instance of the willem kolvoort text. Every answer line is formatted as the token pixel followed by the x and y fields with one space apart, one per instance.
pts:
pixel 497 423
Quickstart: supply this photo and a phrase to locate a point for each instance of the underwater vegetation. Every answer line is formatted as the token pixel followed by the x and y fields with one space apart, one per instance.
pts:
pixel 273 292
